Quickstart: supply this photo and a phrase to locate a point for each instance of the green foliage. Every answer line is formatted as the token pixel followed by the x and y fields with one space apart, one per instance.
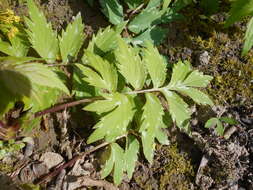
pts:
pixel 130 65
pixel 239 10
pixel 151 126
pixel 72 39
pixel 9 147
pixel 150 14
pixel 130 81
pixel 105 40
pixel 155 64
pixel 133 4
pixel 104 76
pixel 210 6
pixel 27 79
pixel 29 186
pixel 30 79
pixel 113 10
pixel 145 19
pixel 17 47
pixel 120 109
pixel 154 34
pixel 217 123
pixel 248 38
pixel 121 160
pixel 41 35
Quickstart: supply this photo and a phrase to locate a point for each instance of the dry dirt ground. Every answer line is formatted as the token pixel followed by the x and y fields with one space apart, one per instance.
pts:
pixel 200 161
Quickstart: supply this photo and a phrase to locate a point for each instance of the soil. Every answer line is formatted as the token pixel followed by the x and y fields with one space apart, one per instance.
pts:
pixel 201 160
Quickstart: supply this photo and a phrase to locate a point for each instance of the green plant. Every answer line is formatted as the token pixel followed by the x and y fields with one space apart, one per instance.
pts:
pixel 136 109
pixel 9 147
pixel 132 91
pixel 27 78
pixel 240 9
pixel 144 17
pixel 217 123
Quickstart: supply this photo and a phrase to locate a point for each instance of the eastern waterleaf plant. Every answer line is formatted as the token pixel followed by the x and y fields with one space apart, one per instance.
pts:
pixel 136 111
pixel 137 93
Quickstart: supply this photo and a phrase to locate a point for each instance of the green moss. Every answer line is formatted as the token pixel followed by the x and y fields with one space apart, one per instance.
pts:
pixel 178 173
pixel 5 168
pixel 232 73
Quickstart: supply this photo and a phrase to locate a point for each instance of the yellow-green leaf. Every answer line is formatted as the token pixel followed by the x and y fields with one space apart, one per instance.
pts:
pixel 99 72
pixel 130 64
pixel 151 124
pixel 72 39
pixel 41 35
pixel 114 123
pixel 155 64
pixel 178 109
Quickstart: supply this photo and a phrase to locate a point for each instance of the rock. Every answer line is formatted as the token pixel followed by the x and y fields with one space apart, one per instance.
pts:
pixel 51 159
pixel 204 58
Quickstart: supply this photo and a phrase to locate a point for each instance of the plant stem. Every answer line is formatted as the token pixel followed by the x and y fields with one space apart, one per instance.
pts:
pixel 144 91
pixel 64 106
pixel 86 100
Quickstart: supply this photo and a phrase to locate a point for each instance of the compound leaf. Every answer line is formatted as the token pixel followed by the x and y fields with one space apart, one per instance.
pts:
pixel 240 9
pixel 131 155
pixel 102 106
pixel 180 71
pixel 72 39
pixel 105 40
pixel 41 75
pixel 198 96
pixel 41 35
pixel 114 123
pixel 211 122
pixel 130 64
pixel 113 10
pixel 102 75
pixel 152 122
pixel 178 109
pixel 117 160
pixel 121 161
pixel 215 122
pixel 18 46
pixel 183 79
pixel 197 79
pixel 155 64
pixel 154 34
pixel 144 20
